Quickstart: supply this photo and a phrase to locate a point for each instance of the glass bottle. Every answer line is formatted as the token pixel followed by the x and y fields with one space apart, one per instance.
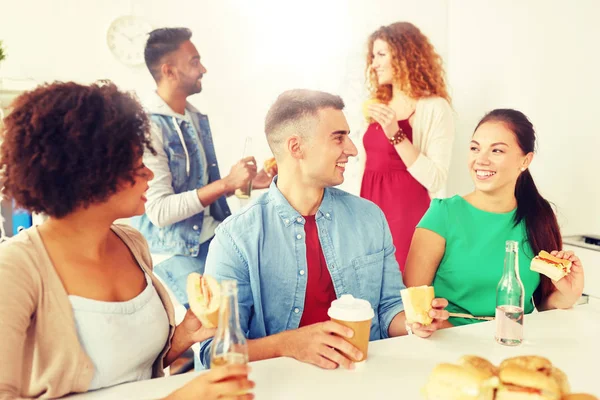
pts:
pixel 229 345
pixel 510 297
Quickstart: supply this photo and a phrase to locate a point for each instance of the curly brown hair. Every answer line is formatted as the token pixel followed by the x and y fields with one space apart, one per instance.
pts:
pixel 418 69
pixel 66 146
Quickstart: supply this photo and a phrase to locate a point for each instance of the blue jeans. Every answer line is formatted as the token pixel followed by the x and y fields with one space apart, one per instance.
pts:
pixel 175 270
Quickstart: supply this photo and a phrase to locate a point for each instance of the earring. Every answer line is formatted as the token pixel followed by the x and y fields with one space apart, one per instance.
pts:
pixel 522 169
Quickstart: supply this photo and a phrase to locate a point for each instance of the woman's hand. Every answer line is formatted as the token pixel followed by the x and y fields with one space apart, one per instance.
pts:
pixel 192 329
pixel 571 285
pixel 229 381
pixel 188 332
pixel 386 117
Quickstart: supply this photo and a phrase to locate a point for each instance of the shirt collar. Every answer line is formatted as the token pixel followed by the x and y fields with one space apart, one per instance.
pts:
pixel 289 214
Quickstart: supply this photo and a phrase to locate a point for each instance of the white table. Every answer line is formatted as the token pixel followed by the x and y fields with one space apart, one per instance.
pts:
pixel 397 368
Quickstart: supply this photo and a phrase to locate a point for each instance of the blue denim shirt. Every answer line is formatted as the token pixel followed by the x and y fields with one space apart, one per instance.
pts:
pixel 183 238
pixel 263 249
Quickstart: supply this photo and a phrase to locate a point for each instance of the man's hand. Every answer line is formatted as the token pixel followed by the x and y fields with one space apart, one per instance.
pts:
pixel 321 344
pixel 241 173
pixel 439 315
pixel 262 180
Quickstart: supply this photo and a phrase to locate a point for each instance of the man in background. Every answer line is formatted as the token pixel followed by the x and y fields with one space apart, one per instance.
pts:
pixel 187 197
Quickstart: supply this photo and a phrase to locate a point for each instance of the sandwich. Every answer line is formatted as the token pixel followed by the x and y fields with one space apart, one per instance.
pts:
pixel 561 379
pixel 518 383
pixel 479 364
pixel 269 165
pixel 455 382
pixel 579 396
pixel 417 304
pixel 204 297
pixel 553 267
pixel 532 363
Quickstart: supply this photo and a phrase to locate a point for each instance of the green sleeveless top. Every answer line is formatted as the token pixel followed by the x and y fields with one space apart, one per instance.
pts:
pixel 473 261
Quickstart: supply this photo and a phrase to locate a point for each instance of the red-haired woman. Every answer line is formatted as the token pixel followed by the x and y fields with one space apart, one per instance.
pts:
pixel 409 140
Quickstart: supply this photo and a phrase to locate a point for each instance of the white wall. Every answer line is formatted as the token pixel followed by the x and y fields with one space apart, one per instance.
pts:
pixel 537 56
pixel 540 57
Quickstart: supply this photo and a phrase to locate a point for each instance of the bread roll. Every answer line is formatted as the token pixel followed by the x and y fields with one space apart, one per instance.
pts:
pixel 417 304
pixel 204 297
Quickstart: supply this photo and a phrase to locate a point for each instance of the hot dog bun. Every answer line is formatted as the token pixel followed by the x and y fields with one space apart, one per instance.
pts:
pixel 553 267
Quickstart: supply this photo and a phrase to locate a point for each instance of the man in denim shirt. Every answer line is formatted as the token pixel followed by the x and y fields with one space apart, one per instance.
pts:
pixel 187 198
pixel 304 244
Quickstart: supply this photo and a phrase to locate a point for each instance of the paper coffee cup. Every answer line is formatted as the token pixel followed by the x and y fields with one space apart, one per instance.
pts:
pixel 356 314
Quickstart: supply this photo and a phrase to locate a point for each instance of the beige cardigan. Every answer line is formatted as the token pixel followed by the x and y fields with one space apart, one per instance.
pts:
pixel 40 352
pixel 433 136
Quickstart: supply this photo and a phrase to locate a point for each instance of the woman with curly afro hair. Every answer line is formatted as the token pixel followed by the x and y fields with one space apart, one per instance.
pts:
pixel 409 139
pixel 80 306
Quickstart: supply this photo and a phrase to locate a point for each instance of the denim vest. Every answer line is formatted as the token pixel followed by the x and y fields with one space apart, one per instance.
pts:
pixel 183 238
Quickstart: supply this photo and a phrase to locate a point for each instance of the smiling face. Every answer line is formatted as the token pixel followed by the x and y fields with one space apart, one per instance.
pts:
pixel 495 158
pixel 130 199
pixel 382 62
pixel 328 149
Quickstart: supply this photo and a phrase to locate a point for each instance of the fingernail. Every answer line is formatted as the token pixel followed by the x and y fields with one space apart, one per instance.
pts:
pixel 359 355
pixel 432 313
pixel 349 333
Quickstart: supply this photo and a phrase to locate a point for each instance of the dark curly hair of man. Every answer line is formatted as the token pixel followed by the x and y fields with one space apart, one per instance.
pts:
pixel 66 146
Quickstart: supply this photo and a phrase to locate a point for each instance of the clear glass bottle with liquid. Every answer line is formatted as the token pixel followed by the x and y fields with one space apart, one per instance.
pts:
pixel 245 192
pixel 229 345
pixel 510 297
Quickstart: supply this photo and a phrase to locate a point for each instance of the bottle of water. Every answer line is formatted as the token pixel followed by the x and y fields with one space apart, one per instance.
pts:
pixel 510 297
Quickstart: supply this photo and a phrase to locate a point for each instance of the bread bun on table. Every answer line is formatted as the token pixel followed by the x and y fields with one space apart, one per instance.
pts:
pixel 455 382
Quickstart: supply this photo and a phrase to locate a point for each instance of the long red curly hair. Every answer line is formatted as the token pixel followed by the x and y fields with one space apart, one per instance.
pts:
pixel 418 69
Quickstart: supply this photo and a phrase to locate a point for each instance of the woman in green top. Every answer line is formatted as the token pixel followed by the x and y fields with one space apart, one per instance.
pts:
pixel 459 244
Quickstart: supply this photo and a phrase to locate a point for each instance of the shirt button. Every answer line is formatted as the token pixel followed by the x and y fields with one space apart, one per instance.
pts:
pixel 299 219
pixel 296 310
pixel 298 236
pixel 195 227
pixel 327 215
pixel 287 221
pixel 301 272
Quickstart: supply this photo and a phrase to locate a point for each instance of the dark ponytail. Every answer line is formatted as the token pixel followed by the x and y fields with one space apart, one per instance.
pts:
pixel 543 232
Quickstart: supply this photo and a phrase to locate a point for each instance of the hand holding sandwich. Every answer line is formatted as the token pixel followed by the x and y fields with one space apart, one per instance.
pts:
pixel 439 318
pixel 188 332
pixel 570 287
pixel 423 313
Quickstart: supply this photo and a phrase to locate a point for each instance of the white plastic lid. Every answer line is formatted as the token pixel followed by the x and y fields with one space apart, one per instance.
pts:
pixel 348 308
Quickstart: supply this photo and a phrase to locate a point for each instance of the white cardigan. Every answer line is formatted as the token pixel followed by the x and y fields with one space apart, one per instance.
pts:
pixel 433 136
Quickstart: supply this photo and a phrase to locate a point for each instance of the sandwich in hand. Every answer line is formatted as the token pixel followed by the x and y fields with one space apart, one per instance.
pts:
pixel 457 382
pixel 553 267
pixel 204 296
pixel 269 165
pixel 417 304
